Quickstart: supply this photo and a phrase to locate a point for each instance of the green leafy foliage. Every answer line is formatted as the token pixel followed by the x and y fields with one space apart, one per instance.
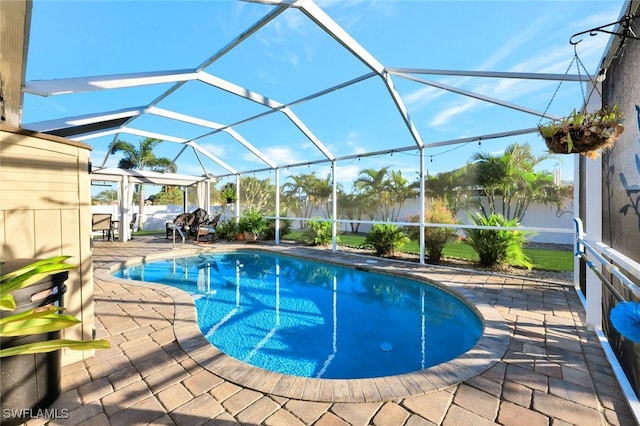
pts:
pixel 227 229
pixel 498 246
pixel 318 233
pixel 252 222
pixel 436 237
pixel 604 124
pixel 228 193
pixel 270 232
pixel 385 238
pixel 39 320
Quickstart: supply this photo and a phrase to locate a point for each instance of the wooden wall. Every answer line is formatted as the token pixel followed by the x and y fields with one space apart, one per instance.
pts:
pixel 45 210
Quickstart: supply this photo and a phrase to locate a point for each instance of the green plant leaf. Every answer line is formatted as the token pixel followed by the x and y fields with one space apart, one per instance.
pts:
pixel 54 345
pixel 33 265
pixel 7 303
pixel 36 323
pixel 33 313
pixel 29 275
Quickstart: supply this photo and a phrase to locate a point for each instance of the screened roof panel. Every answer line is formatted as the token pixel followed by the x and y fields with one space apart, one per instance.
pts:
pixel 361 118
pixel 288 59
pixel 294 83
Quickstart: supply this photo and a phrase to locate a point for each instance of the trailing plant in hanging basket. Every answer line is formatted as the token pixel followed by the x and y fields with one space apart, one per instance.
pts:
pixel 583 133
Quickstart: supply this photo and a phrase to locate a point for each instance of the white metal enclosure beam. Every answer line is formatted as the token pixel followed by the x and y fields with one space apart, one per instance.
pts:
pixel 476 96
pixel 269 103
pixel 212 125
pixel 85 122
pixel 492 74
pixel 65 86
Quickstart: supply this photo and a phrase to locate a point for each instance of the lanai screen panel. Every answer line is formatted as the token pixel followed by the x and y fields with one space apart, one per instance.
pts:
pixel 359 118
pixel 288 59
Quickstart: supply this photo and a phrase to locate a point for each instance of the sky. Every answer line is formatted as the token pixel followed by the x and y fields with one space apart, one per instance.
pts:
pixel 292 58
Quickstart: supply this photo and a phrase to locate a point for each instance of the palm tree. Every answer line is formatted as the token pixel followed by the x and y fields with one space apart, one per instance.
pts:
pixel 385 189
pixel 142 158
pixel 512 178
pixel 371 184
pixel 305 192
pixel 322 191
pixel 399 191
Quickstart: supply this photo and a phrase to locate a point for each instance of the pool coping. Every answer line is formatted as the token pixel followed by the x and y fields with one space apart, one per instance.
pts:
pixel 489 349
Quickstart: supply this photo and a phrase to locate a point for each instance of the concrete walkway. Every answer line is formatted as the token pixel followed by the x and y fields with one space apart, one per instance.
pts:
pixel 551 371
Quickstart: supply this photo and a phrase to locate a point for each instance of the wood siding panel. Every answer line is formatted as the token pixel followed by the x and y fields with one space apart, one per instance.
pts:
pixel 45 210
pixel 38 176
pixel 19 232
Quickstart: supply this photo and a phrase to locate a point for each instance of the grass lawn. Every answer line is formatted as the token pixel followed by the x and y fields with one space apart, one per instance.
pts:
pixel 548 260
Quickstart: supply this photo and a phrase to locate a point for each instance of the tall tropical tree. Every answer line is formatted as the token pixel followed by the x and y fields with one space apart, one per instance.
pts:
pixel 305 192
pixel 400 190
pixel 511 183
pixel 257 194
pixel 385 189
pixel 352 207
pixel 142 157
pixel 169 195
pixel 108 196
pixel 371 184
pixel 452 187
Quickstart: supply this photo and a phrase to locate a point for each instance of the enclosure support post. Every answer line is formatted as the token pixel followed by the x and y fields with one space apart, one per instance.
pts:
pixel 422 188
pixel 125 189
pixel 593 225
pixel 334 207
pixel 576 205
pixel 277 201
pixel 237 197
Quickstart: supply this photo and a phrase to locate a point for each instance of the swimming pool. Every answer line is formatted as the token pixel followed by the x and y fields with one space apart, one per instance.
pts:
pixel 312 319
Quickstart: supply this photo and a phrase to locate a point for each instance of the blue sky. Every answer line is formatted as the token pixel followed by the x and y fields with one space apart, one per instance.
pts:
pixel 292 58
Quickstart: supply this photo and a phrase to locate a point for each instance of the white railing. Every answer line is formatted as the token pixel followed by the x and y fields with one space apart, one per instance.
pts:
pixel 593 299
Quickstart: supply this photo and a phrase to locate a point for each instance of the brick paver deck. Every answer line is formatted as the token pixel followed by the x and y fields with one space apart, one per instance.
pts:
pixel 550 369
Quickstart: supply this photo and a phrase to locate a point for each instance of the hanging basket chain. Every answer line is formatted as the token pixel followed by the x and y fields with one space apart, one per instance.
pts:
pixel 594 83
pixel 544 114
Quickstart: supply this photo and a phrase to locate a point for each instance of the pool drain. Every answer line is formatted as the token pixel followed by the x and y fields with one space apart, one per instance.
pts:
pixel 386 347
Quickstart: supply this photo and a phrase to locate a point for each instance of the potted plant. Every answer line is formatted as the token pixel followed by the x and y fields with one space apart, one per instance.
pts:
pixel 227 229
pixel 252 224
pixel 30 322
pixel 228 193
pixel 583 133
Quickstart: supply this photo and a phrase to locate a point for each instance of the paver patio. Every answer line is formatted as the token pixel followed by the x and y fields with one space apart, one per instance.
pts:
pixel 552 372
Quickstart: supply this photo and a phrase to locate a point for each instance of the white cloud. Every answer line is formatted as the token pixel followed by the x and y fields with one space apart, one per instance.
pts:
pixel 283 155
pixel 347 174
pixel 215 149
pixel 422 96
pixel 552 59
pixel 447 114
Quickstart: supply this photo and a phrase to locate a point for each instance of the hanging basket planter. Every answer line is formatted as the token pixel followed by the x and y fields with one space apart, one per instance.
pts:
pixel 583 133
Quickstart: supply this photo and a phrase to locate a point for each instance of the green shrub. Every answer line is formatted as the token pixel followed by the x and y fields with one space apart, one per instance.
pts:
pixel 318 233
pixel 252 222
pixel 270 232
pixel 498 246
pixel 385 239
pixel 227 229
pixel 434 237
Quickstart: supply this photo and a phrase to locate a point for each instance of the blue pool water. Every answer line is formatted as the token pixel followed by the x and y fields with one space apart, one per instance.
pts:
pixel 313 319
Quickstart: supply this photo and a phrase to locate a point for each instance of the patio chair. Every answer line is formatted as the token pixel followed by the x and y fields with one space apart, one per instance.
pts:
pixel 182 224
pixel 207 228
pixel 102 222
